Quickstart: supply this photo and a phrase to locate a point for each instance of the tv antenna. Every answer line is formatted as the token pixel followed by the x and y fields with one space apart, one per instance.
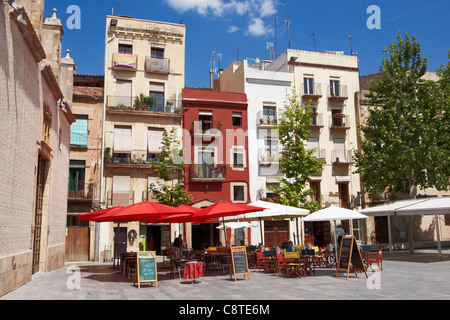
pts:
pixel 287 24
pixel 275 34
pixel 351 45
pixel 314 37
pixel 269 46
pixel 213 69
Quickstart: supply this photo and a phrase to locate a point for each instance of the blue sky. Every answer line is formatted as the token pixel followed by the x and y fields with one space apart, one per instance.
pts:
pixel 242 28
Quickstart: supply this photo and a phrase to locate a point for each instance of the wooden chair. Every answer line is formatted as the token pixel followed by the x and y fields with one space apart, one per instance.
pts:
pixel 375 257
pixel 294 265
pixel 260 261
pixel 270 261
pixel 280 264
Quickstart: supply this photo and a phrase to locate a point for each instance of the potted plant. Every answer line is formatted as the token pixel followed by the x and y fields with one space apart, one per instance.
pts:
pixel 143 102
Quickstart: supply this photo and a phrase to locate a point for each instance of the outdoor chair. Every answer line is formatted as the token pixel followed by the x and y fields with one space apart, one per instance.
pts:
pixel 270 261
pixel 280 264
pixel 375 257
pixel 260 261
pixel 180 267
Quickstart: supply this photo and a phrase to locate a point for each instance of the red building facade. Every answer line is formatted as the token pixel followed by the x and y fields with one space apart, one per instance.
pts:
pixel 215 142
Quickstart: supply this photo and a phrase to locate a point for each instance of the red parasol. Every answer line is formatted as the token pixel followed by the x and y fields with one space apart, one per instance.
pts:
pixel 142 211
pixel 221 210
pixel 91 216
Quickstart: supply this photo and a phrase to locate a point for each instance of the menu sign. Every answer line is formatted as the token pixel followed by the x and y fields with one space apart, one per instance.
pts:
pixel 350 256
pixel 146 270
pixel 239 262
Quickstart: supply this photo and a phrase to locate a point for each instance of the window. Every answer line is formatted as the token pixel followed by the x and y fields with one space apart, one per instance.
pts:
pixel 237 119
pixel 334 88
pixel 79 131
pixel 122 144
pixel 238 192
pixel 154 142
pixel 238 158
pixel 157 53
pixel 125 48
pixel 269 113
pixel 308 85
pixel 205 119
pixel 121 191
pixel 314 115
pixel 338 116
pixel 76 175
pixel 270 194
pixel 157 94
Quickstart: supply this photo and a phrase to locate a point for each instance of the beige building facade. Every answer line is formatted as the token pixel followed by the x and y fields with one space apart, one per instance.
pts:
pixel 143 59
pixel 34 134
pixel 84 167
pixel 327 83
pixel 424 234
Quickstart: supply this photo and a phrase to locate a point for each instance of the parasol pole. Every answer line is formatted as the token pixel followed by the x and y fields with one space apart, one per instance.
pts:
pixel 335 244
pixel 261 230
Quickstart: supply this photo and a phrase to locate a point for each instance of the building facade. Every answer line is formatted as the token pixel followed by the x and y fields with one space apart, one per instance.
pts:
pixel 35 84
pixel 216 156
pixel 378 225
pixel 144 78
pixel 84 167
pixel 325 82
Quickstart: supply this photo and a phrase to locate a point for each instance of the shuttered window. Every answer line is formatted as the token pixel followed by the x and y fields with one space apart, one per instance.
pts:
pixel 122 140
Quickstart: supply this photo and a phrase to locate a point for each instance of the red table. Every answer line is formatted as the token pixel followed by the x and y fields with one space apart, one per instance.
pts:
pixel 193 270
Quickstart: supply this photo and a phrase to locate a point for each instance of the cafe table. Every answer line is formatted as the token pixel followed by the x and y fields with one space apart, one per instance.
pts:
pixel 193 270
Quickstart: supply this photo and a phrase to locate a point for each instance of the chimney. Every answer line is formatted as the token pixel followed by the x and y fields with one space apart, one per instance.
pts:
pixel 67 71
pixel 51 39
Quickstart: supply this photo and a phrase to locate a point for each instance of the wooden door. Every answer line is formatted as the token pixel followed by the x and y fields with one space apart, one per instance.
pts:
pixel 77 244
pixel 275 232
pixel 40 185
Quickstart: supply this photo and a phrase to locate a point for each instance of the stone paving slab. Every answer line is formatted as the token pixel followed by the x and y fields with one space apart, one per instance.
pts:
pixel 424 276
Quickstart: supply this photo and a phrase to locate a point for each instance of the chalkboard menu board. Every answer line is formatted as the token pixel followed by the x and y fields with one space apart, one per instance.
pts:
pixel 350 256
pixel 239 262
pixel 146 270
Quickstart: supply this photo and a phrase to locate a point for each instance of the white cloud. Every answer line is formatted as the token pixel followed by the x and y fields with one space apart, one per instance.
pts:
pixel 232 29
pixel 256 10
pixel 256 27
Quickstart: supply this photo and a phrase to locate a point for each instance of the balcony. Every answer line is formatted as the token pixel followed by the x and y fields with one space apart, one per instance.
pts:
pixel 316 121
pixel 80 191
pixel 268 157
pixel 264 121
pixel 339 122
pixel 119 199
pixel 135 159
pixel 119 104
pixel 314 92
pixel 207 173
pixel 337 94
pixel 342 157
pixel 123 61
pixel 157 65
pixel 207 129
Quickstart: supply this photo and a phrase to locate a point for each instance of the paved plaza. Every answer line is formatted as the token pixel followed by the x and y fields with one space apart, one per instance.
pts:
pixel 422 276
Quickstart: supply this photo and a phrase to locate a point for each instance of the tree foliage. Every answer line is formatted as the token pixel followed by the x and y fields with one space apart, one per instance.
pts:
pixel 169 168
pixel 296 162
pixel 406 136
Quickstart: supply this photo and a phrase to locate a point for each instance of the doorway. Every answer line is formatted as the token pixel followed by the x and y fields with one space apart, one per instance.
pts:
pixel 205 235
pixel 120 241
pixel 275 232
pixel 40 186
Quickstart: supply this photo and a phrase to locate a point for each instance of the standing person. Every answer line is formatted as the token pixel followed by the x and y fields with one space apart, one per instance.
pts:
pixel 178 244
pixel 340 232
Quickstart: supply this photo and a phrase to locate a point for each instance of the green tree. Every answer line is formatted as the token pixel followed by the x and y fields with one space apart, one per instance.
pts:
pixel 296 162
pixel 406 137
pixel 169 168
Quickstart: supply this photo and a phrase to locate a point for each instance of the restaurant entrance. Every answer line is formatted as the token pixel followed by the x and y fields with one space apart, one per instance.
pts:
pixel 318 233
pixel 158 238
pixel 204 235
pixel 275 232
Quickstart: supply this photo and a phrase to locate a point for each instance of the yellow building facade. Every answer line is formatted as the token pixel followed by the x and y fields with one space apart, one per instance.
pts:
pixel 144 59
